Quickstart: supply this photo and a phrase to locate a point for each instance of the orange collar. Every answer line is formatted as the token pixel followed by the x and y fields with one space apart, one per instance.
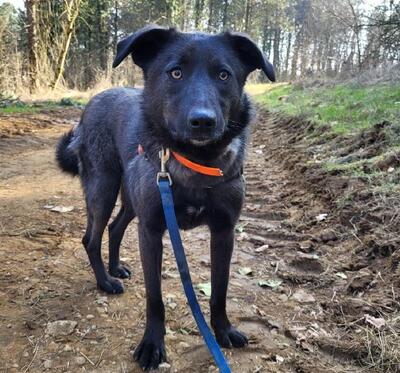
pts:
pixel 210 171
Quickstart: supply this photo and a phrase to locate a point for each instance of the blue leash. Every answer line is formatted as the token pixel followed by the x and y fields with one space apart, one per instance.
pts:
pixel 164 183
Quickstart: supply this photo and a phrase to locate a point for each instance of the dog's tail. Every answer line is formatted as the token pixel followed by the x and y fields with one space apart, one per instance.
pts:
pixel 66 158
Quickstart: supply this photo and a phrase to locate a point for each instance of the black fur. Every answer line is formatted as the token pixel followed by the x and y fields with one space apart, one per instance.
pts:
pixel 192 102
pixel 67 159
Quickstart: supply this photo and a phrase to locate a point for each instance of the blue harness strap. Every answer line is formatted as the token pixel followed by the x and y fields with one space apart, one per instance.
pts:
pixel 173 229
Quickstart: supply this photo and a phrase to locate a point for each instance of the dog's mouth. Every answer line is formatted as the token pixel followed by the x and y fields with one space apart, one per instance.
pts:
pixel 201 142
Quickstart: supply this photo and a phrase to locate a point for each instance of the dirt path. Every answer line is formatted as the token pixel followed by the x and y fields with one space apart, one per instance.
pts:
pixel 45 275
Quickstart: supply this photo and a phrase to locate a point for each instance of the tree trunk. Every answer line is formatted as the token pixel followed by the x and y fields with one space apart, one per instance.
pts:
pixel 31 13
pixel 198 10
pixel 247 16
pixel 277 43
pixel 72 14
pixel 296 49
pixel 289 46
pixel 115 26
pixel 210 15
pixel 225 14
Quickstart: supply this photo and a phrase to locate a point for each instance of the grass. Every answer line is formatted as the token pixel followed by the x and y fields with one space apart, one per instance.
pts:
pixel 14 109
pixel 344 108
pixel 347 111
pixel 25 107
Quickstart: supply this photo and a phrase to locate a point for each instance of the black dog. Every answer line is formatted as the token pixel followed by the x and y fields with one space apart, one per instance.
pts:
pixel 192 103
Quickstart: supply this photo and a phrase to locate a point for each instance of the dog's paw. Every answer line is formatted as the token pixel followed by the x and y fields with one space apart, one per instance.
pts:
pixel 230 336
pixel 150 353
pixel 111 285
pixel 121 271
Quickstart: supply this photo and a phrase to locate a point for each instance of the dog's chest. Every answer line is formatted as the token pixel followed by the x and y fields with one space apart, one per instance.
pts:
pixel 191 209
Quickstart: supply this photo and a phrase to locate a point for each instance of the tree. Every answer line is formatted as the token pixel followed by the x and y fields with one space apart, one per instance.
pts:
pixel 31 19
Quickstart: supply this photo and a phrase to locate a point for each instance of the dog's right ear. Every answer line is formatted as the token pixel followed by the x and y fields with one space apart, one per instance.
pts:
pixel 143 44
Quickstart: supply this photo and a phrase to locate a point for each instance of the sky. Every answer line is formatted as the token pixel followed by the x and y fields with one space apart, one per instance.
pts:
pixel 20 3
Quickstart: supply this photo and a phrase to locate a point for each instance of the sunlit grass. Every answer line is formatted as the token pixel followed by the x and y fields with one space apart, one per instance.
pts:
pixel 36 106
pixel 344 108
pixel 257 89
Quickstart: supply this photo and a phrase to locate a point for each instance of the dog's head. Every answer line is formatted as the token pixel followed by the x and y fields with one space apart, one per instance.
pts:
pixel 194 82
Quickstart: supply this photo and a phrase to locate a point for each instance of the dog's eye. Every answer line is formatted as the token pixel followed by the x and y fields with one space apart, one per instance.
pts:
pixel 223 75
pixel 176 74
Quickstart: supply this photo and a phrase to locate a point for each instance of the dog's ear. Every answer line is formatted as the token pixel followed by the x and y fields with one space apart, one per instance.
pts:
pixel 249 53
pixel 143 44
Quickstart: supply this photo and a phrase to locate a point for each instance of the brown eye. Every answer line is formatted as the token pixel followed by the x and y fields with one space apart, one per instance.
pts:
pixel 176 74
pixel 223 75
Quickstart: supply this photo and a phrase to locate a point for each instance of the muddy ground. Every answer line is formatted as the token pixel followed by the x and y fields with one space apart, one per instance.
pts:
pixel 297 289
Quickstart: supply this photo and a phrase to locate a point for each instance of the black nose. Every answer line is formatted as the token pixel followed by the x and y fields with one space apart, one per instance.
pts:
pixel 202 119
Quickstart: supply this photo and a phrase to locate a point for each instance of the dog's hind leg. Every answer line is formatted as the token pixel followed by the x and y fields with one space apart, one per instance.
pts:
pixel 116 231
pixel 101 191
pixel 89 220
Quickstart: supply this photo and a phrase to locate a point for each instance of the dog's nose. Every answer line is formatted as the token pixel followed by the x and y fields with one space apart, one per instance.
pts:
pixel 202 119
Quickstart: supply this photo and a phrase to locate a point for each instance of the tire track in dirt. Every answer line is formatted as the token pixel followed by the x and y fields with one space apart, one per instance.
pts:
pixel 46 277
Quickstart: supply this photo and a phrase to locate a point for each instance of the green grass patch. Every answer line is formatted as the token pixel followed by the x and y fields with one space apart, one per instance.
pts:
pixel 345 109
pixel 24 107
pixel 14 109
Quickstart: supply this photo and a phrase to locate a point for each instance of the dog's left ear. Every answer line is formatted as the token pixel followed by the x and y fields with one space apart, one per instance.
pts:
pixel 249 53
pixel 143 45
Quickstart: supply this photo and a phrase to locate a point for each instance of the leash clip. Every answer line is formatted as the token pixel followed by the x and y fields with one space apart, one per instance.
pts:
pixel 164 156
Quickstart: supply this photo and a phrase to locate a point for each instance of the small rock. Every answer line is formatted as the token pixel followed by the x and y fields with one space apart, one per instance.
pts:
pixel 101 310
pixel 67 348
pixel 172 305
pixel 302 297
pixel 80 360
pixel 306 246
pixel 164 367
pixel 283 297
pixel 52 347
pixel 15 365
pixel 101 300
pixel 90 317
pixel 183 346
pixel 47 364
pixel 328 235
pixel 61 327
pixel 25 354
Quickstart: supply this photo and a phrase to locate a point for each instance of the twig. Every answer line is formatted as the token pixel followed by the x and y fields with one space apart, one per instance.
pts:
pixel 90 361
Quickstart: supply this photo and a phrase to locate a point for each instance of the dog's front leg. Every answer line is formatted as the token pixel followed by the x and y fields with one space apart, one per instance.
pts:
pixel 151 350
pixel 221 252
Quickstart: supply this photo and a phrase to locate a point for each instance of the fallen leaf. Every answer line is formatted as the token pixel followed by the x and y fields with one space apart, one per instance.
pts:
pixel 205 288
pixel 245 271
pixel 261 248
pixel 377 322
pixel 240 227
pixel 62 209
pixel 321 217
pixel 272 283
